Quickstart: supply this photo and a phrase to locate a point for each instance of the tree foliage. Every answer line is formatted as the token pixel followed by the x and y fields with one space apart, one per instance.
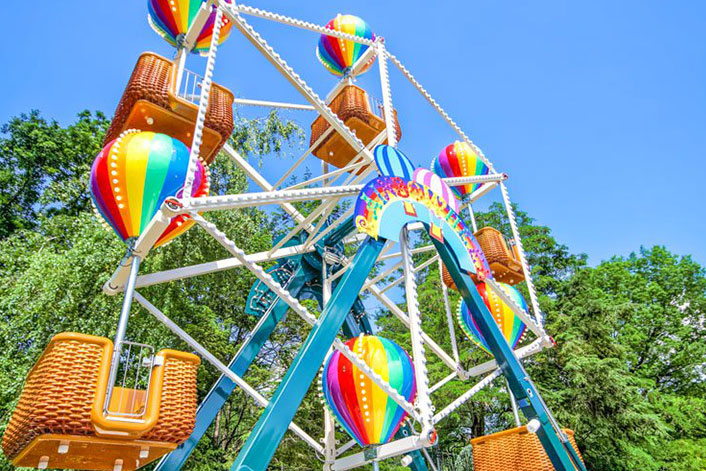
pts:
pixel 44 167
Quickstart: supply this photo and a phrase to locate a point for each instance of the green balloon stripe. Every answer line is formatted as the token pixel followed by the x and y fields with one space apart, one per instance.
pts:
pixel 155 174
pixel 359 31
pixel 395 379
pixel 194 7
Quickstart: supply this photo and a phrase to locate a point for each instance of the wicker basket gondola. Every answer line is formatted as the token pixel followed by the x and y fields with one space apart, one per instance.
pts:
pixel 352 106
pixel 150 103
pixel 55 423
pixel 513 450
pixel 503 259
pixel 504 262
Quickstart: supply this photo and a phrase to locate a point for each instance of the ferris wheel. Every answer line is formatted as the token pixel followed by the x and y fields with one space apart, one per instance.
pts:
pixel 90 403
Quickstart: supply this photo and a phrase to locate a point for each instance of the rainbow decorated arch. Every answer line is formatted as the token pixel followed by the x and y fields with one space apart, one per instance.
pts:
pixel 398 201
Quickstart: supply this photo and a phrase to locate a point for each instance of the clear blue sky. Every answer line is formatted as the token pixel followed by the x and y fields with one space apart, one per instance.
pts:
pixel 596 110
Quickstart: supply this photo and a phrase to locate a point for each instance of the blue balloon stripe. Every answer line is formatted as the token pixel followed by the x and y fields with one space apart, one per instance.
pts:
pixel 393 163
pixel 178 165
pixel 157 20
pixel 407 387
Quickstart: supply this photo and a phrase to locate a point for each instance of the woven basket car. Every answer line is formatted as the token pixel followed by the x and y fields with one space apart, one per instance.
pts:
pixel 513 450
pixel 59 421
pixel 352 106
pixel 150 103
pixel 503 258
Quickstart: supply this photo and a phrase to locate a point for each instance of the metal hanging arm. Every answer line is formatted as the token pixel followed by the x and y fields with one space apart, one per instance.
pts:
pixel 449 315
pixel 423 402
pixel 122 327
pixel 513 403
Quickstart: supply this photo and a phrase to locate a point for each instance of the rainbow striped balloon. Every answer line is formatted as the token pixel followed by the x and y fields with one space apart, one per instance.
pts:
pixel 511 326
pixel 134 174
pixel 171 20
pixel 459 160
pixel 438 186
pixel 339 55
pixel 358 404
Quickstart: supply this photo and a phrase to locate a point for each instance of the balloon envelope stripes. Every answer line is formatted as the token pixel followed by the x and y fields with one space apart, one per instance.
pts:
pixel 133 175
pixel 510 325
pixel 393 163
pixel 438 186
pixel 171 19
pixel 459 160
pixel 339 55
pixel 358 404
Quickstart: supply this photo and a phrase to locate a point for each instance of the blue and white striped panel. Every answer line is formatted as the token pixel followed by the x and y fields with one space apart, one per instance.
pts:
pixel 393 163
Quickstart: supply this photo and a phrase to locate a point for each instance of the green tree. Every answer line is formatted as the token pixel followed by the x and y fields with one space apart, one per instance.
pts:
pixel 44 167
pixel 627 374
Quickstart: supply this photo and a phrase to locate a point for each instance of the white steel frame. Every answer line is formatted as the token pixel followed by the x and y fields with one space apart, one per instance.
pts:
pixel 330 193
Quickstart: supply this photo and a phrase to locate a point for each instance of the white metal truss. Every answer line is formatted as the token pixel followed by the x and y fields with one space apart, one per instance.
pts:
pixel 330 191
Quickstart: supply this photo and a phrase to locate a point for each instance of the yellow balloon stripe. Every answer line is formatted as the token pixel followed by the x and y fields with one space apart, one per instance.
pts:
pixel 348 27
pixel 139 150
pixel 377 359
pixel 181 14
pixel 503 313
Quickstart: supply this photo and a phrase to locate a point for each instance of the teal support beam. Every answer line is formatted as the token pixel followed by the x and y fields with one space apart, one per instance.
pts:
pixel 527 395
pixel 262 443
pixel 344 229
pixel 224 387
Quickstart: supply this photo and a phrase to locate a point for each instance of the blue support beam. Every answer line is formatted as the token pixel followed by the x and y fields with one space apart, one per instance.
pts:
pixel 262 443
pixel 224 387
pixel 268 432
pixel 299 284
pixel 559 451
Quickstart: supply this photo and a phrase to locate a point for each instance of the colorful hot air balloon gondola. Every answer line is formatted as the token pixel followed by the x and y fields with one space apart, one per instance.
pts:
pixel 510 325
pixel 133 175
pixel 358 404
pixel 339 55
pixel 459 160
pixel 171 19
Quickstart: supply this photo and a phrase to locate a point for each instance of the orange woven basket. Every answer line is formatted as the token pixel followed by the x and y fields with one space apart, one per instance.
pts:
pixel 503 261
pixel 352 106
pixel 446 278
pixel 55 423
pixel 149 103
pixel 513 450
